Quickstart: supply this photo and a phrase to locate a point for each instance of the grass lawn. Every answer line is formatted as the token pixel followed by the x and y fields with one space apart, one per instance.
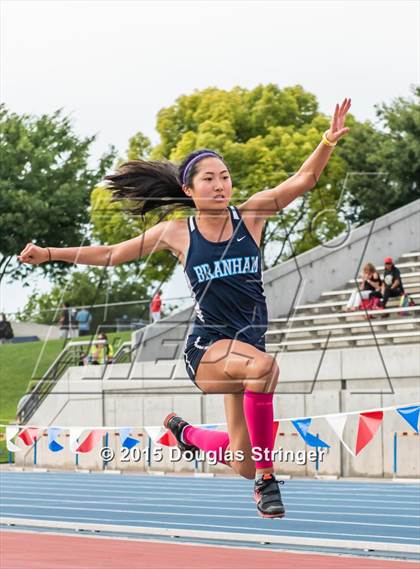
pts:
pixel 22 365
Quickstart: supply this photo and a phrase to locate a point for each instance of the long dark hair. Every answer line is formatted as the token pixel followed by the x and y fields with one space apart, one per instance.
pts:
pixel 155 184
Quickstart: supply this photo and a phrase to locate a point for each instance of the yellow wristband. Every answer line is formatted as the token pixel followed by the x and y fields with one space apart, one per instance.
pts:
pixel 326 141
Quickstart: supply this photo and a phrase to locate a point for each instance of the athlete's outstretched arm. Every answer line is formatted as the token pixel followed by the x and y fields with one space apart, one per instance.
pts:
pixel 269 202
pixel 154 239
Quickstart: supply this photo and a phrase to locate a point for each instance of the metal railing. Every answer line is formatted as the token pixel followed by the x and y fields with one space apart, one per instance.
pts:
pixel 123 354
pixel 72 355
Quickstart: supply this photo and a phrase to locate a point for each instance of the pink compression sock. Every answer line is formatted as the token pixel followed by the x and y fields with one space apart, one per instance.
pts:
pixel 207 440
pixel 258 411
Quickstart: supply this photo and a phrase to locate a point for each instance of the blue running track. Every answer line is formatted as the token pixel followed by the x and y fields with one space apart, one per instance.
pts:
pixel 381 513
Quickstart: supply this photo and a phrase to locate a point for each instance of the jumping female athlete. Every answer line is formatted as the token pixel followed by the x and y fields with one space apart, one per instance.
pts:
pixel 219 249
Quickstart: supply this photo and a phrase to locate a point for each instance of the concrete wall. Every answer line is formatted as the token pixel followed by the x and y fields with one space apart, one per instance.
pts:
pixel 304 278
pixel 43 331
pixel 138 395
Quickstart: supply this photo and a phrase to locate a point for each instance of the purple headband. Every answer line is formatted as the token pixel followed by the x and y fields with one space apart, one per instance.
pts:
pixel 193 161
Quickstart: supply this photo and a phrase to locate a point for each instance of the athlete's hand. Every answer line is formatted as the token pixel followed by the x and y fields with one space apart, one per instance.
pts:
pixel 33 255
pixel 337 128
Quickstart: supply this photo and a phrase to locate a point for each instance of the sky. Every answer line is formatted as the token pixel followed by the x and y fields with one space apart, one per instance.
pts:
pixel 112 65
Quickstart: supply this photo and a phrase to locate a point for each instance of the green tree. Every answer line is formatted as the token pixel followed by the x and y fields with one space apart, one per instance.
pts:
pixel 93 286
pixel 265 134
pixel 384 162
pixel 45 185
pixel 111 224
pixel 134 281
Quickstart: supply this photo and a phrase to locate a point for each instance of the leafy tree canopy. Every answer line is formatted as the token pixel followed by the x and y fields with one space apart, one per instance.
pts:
pixel 45 185
pixel 385 160
pixel 264 134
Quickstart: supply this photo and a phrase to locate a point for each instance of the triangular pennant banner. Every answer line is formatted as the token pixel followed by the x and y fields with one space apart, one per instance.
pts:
pixel 368 426
pixel 125 439
pixel 29 435
pixel 74 434
pixel 275 429
pixel 302 426
pixel 11 432
pixel 91 440
pixel 411 415
pixel 129 442
pixel 337 423
pixel 154 432
pixel 53 444
pixel 167 439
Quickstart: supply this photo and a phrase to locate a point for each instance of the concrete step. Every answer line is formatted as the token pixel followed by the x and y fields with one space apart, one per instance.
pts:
pixel 337 305
pixel 342 316
pixel 407 278
pixel 415 254
pixel 346 341
pixel 409 288
pixel 394 324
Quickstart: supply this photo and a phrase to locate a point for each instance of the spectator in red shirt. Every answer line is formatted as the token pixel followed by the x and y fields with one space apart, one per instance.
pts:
pixel 156 306
pixel 392 284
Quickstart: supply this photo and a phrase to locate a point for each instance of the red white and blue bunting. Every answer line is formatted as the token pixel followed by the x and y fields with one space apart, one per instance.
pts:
pixel 86 439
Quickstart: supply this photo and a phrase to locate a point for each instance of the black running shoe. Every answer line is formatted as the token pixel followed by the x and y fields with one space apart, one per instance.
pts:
pixel 176 425
pixel 268 498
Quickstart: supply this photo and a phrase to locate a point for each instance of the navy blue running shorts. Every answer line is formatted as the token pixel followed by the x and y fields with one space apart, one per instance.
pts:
pixel 196 347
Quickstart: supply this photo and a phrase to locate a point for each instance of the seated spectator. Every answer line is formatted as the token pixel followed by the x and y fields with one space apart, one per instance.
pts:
pixel 370 287
pixel 101 353
pixel 6 330
pixel 392 283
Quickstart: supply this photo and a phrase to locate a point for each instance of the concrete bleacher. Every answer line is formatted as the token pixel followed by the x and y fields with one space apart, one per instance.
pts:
pixel 409 287
pixel 321 324
pixel 330 361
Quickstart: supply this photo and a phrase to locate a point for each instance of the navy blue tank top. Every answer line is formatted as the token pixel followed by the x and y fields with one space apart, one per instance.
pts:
pixel 225 279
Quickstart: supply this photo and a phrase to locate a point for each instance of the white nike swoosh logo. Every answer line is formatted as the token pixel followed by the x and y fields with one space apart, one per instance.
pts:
pixel 241 238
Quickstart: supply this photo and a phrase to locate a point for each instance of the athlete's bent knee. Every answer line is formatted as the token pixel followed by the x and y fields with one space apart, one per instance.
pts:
pixel 265 376
pixel 268 366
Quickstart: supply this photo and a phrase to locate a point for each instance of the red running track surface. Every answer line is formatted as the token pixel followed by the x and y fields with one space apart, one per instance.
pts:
pixel 27 550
